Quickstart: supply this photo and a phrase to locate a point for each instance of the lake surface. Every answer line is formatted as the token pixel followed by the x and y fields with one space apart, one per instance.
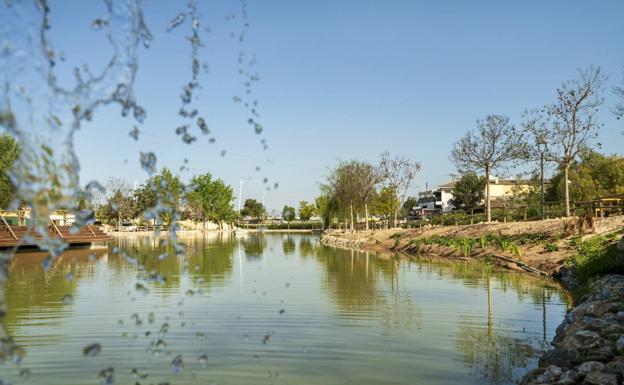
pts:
pixel 272 309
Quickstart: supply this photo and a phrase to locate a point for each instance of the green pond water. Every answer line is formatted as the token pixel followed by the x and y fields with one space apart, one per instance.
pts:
pixel 272 309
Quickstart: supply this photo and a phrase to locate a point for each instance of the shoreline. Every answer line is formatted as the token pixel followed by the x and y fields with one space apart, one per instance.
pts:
pixel 588 347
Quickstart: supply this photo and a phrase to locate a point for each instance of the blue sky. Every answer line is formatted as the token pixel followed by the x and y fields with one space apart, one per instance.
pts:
pixel 340 80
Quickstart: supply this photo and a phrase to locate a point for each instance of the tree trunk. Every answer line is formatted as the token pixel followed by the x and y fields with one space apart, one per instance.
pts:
pixel 366 213
pixel 351 215
pixel 566 189
pixel 487 194
pixel 471 216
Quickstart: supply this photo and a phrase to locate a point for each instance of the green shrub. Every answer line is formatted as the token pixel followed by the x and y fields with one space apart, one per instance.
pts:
pixel 596 256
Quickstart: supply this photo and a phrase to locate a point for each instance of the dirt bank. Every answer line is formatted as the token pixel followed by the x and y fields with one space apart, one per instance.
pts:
pixel 536 246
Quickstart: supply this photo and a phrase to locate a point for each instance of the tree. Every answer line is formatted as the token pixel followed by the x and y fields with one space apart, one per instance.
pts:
pixel 168 190
pixel 9 153
pixel 367 177
pixel 408 206
pixel 619 106
pixel 490 147
pixel 571 124
pixel 325 207
pixel 254 209
pixel 342 186
pixel 397 173
pixel 386 203
pixel 288 214
pixel 210 200
pixel 306 210
pixel 120 205
pixel 468 192
pixel 592 176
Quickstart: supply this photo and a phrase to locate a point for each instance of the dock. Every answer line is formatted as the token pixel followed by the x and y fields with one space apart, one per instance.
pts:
pixel 12 235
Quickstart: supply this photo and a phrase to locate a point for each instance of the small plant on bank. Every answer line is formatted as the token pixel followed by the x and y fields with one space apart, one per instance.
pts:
pixel 551 246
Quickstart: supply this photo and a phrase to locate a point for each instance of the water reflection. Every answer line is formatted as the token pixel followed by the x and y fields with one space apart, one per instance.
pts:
pixel 307 311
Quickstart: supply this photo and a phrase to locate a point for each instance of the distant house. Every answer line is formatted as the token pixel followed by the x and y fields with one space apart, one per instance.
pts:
pixel 501 190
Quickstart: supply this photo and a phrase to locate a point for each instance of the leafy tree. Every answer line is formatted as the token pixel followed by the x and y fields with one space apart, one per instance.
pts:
pixel 326 207
pixel 254 209
pixel 592 176
pixel 408 206
pixel 342 186
pixel 9 153
pixel 306 210
pixel 210 200
pixel 168 190
pixel 571 124
pixel 491 146
pixel 398 173
pixel 288 214
pixel 145 199
pixel 468 192
pixel 386 203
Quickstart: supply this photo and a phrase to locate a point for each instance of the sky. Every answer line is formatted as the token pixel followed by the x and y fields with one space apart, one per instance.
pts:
pixel 338 80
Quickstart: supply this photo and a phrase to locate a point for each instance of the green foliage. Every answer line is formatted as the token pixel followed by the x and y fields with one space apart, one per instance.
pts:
pixel 288 213
pixel 254 209
pixel 551 246
pixel 210 200
pixel 469 191
pixel 408 205
pixel 306 210
pixel 385 203
pixel 594 175
pixel 596 256
pixel 9 153
pixel 168 189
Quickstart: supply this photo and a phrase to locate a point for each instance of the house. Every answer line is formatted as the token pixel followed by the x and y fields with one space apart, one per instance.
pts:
pixel 501 191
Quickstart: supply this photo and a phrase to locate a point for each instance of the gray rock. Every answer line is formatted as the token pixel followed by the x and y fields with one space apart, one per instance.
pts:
pixel 619 345
pixel 590 366
pixel 601 378
pixel 569 377
pixel 620 244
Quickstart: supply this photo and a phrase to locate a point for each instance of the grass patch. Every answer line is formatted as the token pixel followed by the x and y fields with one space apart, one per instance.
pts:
pixel 596 256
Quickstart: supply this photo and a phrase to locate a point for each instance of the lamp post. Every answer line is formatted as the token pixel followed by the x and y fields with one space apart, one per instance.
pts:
pixel 541 146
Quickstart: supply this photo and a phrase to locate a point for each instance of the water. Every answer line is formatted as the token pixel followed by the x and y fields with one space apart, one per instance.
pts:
pixel 271 309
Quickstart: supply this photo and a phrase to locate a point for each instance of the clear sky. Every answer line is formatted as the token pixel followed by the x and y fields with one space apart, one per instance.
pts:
pixel 340 80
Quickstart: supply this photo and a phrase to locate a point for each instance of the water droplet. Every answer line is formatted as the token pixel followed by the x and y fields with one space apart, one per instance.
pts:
pixel 203 360
pixel 92 350
pixel 177 364
pixel 106 376
pixel 179 19
pixel 24 373
pixel 68 299
pixel 97 24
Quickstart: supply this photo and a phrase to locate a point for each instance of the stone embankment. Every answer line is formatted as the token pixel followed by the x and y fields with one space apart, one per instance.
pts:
pixel 589 343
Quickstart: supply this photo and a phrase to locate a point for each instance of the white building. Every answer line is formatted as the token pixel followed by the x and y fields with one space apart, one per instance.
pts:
pixel 437 199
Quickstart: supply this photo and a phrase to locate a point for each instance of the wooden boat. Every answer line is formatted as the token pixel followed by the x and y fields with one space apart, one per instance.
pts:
pixel 12 236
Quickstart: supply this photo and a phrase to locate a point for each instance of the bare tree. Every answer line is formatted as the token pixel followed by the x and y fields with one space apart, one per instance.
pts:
pixel 398 172
pixel 119 198
pixel 571 123
pixel 619 106
pixel 490 147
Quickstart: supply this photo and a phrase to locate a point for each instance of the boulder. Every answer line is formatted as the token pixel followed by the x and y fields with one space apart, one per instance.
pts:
pixel 601 378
